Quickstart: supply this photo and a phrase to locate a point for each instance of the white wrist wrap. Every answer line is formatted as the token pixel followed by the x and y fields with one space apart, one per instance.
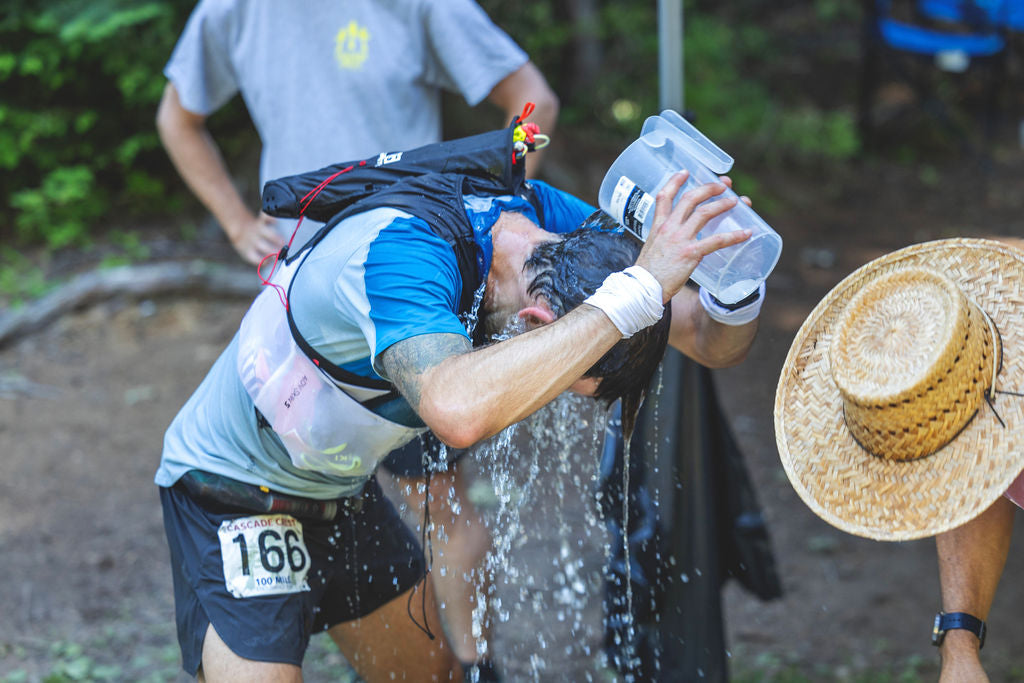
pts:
pixel 740 316
pixel 631 298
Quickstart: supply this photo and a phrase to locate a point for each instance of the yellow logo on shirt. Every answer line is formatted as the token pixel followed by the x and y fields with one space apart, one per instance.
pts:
pixel 352 45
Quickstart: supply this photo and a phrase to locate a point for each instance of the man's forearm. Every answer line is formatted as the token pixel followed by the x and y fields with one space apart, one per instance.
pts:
pixel 199 162
pixel 971 560
pixel 467 397
pixel 709 343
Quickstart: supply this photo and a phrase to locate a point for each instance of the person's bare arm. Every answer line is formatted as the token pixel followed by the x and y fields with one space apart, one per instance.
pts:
pixel 707 341
pixel 467 395
pixel 199 162
pixel 971 560
pixel 527 84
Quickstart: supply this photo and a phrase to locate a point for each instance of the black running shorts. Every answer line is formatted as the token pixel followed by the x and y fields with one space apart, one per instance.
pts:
pixel 268 581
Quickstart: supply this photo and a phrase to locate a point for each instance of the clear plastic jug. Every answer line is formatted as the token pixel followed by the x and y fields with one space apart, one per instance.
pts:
pixel 669 143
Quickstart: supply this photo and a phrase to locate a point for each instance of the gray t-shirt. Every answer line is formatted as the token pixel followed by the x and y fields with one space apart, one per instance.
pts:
pixel 328 81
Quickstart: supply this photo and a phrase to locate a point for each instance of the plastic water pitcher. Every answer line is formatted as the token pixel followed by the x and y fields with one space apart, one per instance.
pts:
pixel 669 143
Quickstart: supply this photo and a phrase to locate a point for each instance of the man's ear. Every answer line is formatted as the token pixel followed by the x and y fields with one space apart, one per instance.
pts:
pixel 536 315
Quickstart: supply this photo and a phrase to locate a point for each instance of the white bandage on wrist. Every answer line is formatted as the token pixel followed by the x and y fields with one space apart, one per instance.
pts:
pixel 631 298
pixel 739 316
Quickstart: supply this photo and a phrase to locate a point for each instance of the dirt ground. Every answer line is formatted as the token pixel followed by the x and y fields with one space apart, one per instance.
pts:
pixel 85 589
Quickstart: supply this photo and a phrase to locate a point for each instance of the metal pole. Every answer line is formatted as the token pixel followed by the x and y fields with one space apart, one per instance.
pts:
pixel 670 55
pixel 691 628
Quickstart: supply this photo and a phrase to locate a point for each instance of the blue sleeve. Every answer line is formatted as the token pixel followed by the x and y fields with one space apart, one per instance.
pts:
pixel 563 212
pixel 412 284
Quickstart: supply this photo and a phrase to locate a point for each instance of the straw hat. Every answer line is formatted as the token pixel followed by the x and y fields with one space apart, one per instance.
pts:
pixel 887 420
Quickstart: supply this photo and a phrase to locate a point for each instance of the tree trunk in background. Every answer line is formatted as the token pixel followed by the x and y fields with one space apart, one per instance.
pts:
pixel 581 53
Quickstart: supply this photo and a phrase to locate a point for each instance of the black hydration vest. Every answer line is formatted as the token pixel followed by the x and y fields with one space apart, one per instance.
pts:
pixel 428 182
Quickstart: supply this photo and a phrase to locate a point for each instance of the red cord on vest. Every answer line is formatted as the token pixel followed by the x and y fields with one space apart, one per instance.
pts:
pixel 529 129
pixel 281 294
pixel 306 200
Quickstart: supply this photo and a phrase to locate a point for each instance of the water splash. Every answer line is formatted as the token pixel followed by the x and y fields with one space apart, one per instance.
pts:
pixel 548 542
pixel 471 317
pixel 630 625
pixel 545 572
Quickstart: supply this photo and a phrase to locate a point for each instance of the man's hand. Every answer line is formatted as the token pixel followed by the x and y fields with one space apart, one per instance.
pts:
pixel 672 251
pixel 199 161
pixel 254 238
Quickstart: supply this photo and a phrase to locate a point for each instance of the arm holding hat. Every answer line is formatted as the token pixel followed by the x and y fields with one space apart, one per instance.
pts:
pixel 971 560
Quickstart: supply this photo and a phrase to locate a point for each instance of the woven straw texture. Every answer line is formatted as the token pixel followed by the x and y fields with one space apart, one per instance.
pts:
pixel 885 498
pixel 912 358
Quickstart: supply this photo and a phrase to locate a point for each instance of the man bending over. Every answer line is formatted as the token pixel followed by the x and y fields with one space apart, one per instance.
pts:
pixel 273 539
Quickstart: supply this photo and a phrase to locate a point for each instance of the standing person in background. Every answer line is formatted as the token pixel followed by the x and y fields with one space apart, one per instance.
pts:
pixel 326 81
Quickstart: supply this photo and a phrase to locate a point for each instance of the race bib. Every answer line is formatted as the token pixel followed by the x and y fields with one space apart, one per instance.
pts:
pixel 263 555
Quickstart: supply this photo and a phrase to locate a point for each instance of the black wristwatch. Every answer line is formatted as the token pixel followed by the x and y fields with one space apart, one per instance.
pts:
pixel 947 622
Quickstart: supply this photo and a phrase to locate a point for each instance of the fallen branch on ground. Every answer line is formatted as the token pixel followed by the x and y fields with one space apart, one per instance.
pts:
pixel 136 282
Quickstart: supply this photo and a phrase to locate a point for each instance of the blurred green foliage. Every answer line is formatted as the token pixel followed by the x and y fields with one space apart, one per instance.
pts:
pixel 78 147
pixel 21 279
pixel 733 55
pixel 81 80
pixel 76 117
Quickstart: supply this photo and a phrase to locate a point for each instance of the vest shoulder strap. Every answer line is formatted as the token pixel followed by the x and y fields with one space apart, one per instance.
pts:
pixel 427 182
pixel 322 193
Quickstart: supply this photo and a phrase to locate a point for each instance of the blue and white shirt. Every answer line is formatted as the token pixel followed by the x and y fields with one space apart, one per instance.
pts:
pixel 376 279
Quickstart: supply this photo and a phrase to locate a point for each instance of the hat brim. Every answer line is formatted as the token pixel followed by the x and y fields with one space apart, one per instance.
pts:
pixel 881 499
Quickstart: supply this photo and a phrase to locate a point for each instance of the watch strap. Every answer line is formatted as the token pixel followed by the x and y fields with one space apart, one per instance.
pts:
pixel 958 620
pixel 745 301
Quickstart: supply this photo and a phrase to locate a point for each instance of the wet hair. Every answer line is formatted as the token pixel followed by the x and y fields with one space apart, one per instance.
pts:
pixel 567 271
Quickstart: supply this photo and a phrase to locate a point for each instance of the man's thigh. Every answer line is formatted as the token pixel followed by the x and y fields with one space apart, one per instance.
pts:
pixel 267 582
